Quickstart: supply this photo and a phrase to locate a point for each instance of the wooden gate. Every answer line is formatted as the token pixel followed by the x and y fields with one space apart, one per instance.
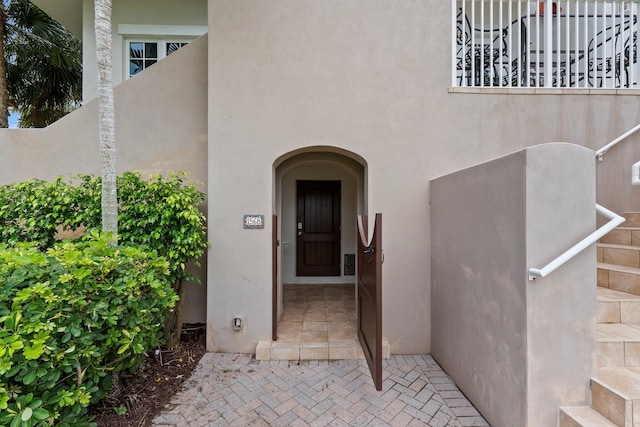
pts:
pixel 274 278
pixel 370 295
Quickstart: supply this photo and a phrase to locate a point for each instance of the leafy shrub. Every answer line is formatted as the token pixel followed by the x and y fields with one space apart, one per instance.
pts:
pixel 69 317
pixel 30 211
pixel 161 213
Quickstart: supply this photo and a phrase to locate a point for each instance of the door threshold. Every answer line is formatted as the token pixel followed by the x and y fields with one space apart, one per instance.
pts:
pixel 276 350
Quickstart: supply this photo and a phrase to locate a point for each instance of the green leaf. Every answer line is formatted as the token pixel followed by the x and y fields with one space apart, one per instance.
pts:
pixel 33 352
pixel 41 414
pixel 30 377
pixel 124 347
pixel 13 320
pixel 26 414
pixel 16 422
pixel 4 398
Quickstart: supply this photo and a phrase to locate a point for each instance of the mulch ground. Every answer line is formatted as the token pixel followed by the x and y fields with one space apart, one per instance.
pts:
pixel 144 394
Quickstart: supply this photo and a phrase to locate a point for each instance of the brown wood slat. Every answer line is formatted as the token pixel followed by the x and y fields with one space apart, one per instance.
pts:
pixel 370 296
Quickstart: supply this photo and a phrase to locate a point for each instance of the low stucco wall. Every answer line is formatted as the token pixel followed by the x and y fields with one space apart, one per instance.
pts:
pixel 518 349
pixel 614 189
pixel 161 127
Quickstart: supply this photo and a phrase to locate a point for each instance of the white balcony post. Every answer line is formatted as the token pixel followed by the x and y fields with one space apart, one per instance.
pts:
pixel 454 46
pixel 548 43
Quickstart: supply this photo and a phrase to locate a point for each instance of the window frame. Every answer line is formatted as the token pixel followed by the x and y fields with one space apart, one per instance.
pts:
pixel 161 51
pixel 160 34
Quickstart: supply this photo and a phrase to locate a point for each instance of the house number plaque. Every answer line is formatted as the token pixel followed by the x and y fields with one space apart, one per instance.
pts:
pixel 253 221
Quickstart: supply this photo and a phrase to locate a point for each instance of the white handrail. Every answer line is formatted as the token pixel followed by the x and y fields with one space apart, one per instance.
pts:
pixel 635 174
pixel 615 220
pixel 601 152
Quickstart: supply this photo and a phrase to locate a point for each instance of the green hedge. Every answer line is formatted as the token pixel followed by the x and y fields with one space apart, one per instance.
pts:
pixel 69 317
pixel 162 213
pixel 73 313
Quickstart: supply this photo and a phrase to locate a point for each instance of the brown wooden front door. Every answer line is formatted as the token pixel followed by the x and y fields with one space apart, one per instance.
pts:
pixel 370 296
pixel 318 228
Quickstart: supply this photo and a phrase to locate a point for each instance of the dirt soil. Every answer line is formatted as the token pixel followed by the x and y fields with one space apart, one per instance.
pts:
pixel 145 394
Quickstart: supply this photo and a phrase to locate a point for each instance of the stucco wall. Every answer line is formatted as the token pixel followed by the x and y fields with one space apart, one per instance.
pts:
pixel 518 349
pixel 371 77
pixel 156 13
pixel 286 75
pixel 161 127
pixel 614 187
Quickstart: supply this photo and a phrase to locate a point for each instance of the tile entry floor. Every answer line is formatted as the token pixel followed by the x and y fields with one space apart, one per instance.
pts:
pixel 318 322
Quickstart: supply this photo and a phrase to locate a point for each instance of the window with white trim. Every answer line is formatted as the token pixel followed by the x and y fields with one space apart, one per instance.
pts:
pixel 144 53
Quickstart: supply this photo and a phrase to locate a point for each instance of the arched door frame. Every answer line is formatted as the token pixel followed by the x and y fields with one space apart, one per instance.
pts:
pixel 348 162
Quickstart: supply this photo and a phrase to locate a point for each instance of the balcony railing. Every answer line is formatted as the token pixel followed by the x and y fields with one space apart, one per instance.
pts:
pixel 545 44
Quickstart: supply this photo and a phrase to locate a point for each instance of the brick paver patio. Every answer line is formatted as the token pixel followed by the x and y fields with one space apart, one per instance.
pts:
pixel 237 390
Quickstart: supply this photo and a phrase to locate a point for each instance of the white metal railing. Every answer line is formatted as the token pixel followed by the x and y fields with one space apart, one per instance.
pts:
pixel 544 43
pixel 635 174
pixel 601 152
pixel 635 168
pixel 614 221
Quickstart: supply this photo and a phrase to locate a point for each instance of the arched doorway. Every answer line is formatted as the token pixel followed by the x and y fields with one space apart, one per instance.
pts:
pixel 319 193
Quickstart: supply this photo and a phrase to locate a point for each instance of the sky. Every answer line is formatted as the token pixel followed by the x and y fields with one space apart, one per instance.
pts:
pixel 13 120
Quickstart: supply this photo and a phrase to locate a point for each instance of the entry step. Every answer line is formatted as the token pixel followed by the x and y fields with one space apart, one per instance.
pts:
pixel 583 416
pixel 274 350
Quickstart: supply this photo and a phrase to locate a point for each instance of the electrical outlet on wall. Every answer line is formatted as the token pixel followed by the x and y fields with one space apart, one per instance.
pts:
pixel 237 323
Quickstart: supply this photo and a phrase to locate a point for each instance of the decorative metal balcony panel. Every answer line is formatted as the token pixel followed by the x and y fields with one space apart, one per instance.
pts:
pixel 545 44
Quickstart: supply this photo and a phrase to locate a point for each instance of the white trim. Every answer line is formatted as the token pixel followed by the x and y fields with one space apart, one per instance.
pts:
pixel 614 221
pixel 161 46
pixel 162 30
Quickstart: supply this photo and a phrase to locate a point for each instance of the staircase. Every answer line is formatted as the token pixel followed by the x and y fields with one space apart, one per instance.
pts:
pixel 615 390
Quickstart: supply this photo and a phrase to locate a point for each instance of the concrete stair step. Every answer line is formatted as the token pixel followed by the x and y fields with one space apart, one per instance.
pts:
pixel 619 278
pixel 617 254
pixel 623 236
pixel 617 307
pixel 616 395
pixel 582 416
pixel 632 219
pixel 618 345
pixel 615 401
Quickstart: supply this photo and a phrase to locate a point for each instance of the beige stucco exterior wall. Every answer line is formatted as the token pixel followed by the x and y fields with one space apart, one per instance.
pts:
pixel 518 349
pixel 183 13
pixel 371 77
pixel 614 187
pixel 161 127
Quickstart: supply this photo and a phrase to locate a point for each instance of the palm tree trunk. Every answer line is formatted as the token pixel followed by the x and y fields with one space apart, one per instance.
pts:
pixel 106 117
pixel 4 93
